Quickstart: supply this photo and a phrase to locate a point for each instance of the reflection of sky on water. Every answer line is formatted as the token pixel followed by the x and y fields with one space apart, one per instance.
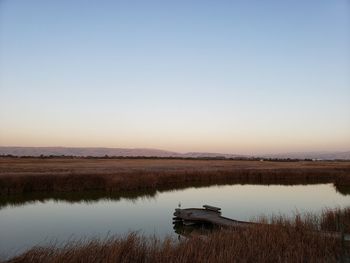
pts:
pixel 39 222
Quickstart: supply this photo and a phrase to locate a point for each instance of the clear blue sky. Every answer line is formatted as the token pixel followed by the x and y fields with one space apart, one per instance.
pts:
pixel 223 76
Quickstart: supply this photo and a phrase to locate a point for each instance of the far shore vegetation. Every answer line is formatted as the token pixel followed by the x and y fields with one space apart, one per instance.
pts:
pixel 116 175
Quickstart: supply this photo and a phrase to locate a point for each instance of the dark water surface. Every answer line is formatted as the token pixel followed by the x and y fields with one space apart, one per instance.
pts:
pixel 25 222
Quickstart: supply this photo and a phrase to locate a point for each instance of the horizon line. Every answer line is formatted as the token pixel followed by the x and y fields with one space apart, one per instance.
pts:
pixel 181 152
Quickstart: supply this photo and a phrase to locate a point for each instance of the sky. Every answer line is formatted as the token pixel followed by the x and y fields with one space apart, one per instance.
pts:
pixel 244 77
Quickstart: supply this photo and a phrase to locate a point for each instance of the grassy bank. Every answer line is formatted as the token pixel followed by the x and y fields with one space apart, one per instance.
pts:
pixel 286 240
pixel 115 175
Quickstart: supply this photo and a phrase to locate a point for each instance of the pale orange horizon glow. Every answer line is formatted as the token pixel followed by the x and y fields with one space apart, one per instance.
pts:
pixel 235 142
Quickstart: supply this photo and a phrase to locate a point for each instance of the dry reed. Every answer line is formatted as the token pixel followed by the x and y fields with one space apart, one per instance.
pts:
pixel 285 240
pixel 67 175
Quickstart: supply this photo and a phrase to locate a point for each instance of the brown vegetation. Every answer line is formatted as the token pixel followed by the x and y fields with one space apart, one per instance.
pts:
pixel 336 220
pixel 282 241
pixel 114 175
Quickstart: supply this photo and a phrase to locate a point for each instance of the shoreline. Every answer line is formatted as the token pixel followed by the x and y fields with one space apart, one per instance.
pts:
pixel 57 175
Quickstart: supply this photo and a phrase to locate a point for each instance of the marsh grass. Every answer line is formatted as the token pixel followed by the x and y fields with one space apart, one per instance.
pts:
pixel 78 175
pixel 336 220
pixel 285 240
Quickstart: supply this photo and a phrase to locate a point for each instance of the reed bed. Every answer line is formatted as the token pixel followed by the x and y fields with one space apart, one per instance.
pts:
pixel 337 220
pixel 71 175
pixel 285 240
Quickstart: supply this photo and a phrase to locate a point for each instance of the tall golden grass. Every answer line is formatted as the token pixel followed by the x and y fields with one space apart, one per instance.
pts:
pixel 116 175
pixel 285 240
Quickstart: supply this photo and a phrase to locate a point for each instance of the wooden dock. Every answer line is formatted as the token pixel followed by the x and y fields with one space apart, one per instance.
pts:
pixel 198 215
pixel 212 215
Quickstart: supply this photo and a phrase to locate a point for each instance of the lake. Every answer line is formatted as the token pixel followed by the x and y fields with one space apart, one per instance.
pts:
pixel 28 223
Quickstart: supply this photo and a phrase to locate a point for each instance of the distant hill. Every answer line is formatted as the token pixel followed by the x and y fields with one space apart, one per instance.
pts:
pixel 99 152
pixel 82 151
pixel 210 155
pixel 143 152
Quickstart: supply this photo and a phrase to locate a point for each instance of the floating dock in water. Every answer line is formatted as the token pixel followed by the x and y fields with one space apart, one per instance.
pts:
pixel 207 214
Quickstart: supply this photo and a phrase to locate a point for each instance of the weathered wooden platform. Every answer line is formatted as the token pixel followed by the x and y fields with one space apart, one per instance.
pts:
pixel 199 215
pixel 212 215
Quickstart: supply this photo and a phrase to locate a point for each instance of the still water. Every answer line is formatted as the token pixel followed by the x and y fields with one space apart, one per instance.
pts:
pixel 25 224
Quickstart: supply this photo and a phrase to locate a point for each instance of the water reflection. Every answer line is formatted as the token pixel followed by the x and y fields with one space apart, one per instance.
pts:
pixel 342 189
pixel 74 197
pixel 186 231
pixel 95 196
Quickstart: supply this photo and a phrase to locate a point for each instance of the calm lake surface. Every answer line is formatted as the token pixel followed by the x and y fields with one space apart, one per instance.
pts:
pixel 40 222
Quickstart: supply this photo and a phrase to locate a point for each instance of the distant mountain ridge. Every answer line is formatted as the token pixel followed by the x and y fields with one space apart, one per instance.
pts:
pixel 100 152
pixel 145 152
pixel 85 151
